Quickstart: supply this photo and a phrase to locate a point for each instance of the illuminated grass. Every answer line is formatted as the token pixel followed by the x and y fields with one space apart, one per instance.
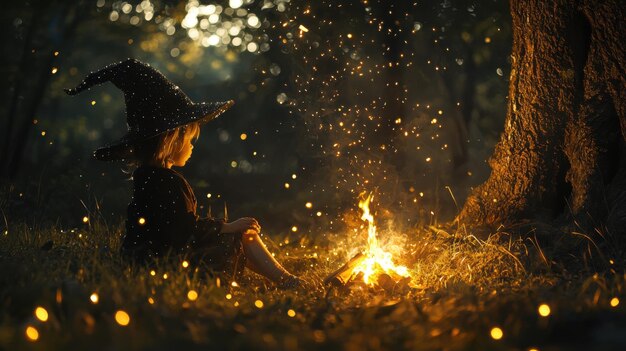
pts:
pixel 463 288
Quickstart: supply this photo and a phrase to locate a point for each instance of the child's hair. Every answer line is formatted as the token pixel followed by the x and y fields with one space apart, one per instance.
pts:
pixel 160 149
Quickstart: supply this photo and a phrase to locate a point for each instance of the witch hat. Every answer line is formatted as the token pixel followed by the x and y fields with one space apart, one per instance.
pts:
pixel 154 105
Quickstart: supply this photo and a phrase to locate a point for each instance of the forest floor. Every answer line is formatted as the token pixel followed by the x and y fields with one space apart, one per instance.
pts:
pixel 464 290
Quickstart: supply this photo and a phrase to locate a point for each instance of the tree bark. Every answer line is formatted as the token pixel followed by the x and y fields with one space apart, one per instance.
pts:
pixel 561 154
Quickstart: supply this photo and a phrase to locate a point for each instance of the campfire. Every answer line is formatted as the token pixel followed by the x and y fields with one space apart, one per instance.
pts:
pixel 372 264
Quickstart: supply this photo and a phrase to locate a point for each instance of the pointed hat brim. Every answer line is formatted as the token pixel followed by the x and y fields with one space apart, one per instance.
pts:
pixel 122 149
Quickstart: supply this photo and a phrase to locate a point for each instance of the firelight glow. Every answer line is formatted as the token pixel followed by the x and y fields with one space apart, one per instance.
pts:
pixel 377 261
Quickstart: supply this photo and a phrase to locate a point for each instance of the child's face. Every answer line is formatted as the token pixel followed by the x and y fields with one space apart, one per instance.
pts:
pixel 181 158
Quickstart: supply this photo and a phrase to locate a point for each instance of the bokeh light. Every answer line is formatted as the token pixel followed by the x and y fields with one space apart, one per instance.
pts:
pixel 32 334
pixel 41 314
pixel 122 318
pixel 544 310
pixel 496 333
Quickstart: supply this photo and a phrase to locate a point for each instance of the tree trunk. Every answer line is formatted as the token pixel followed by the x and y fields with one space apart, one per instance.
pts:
pixel 561 155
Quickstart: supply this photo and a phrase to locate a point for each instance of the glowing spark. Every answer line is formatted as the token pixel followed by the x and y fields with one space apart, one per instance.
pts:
pixel 185 264
pixel 54 70
pixel 41 314
pixel 258 304
pixel 85 219
pixel 497 333
pixel 308 205
pixel 31 333
pixel 303 28
pixel 164 275
pixel 243 136
pixel 294 229
pixel 122 318
pixel 291 313
pixel 141 221
pixel 94 298
pixel 544 310
pixel 286 185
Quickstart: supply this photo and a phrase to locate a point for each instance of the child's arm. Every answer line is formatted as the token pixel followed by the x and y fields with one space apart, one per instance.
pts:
pixel 241 225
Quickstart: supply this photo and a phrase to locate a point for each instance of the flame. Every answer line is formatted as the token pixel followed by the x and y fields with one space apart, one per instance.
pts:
pixel 377 261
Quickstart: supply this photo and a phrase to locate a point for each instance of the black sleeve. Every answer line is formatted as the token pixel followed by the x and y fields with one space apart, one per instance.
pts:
pixel 159 217
pixel 207 230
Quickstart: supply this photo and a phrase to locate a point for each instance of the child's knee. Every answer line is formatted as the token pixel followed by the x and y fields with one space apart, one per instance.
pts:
pixel 249 237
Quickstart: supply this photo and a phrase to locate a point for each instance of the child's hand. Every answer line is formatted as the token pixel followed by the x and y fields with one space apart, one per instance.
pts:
pixel 241 225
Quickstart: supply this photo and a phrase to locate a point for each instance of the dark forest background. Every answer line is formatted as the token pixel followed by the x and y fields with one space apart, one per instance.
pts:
pixel 406 99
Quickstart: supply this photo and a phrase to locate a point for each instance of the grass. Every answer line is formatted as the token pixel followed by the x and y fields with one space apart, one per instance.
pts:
pixel 462 288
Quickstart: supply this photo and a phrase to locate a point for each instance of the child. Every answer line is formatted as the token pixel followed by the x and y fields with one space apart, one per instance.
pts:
pixel 161 218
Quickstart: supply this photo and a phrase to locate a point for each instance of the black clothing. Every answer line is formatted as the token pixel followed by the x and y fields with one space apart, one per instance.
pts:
pixel 162 220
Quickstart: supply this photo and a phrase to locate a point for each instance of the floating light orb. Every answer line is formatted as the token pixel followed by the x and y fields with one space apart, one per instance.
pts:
pixel 192 295
pixel 497 333
pixel 41 314
pixel 31 333
pixel 122 318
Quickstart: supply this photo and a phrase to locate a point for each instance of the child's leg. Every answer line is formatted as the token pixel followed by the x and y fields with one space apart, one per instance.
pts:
pixel 261 261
